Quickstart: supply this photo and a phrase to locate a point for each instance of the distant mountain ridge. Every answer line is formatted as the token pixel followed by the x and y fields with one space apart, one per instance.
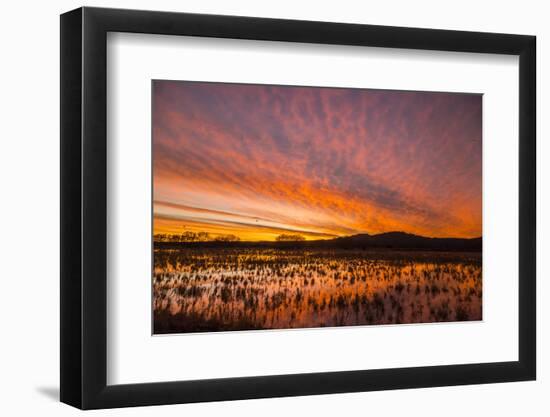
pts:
pixel 402 240
pixel 388 240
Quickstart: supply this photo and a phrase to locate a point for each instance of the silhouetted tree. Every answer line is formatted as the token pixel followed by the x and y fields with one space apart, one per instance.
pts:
pixel 188 237
pixel 203 236
pixel 288 237
pixel 227 238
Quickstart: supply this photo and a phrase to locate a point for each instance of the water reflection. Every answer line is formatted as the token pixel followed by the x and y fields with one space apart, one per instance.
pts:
pixel 197 290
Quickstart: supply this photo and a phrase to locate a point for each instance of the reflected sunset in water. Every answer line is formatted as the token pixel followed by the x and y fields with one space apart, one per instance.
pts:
pixel 292 207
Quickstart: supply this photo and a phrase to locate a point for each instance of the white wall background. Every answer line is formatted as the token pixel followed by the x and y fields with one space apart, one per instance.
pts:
pixel 29 178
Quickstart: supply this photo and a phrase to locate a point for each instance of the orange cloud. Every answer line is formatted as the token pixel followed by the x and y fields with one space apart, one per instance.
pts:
pixel 256 160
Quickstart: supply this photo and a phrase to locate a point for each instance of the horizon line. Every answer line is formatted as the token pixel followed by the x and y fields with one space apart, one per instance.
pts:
pixel 317 240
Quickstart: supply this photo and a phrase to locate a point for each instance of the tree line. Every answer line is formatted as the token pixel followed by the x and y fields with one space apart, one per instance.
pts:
pixel 207 237
pixel 194 237
pixel 289 237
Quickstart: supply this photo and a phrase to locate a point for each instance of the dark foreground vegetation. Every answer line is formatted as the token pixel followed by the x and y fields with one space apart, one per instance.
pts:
pixel 202 288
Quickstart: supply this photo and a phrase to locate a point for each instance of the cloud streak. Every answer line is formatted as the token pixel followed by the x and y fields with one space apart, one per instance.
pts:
pixel 324 161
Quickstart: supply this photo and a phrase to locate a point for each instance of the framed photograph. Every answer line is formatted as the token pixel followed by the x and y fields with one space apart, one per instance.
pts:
pixel 258 208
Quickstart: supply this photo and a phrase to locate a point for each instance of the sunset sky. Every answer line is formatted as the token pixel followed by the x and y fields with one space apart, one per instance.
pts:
pixel 258 161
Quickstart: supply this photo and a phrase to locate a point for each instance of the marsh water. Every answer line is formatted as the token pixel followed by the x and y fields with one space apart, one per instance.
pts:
pixel 215 289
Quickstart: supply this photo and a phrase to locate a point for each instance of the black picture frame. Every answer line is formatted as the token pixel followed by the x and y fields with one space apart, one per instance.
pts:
pixel 84 207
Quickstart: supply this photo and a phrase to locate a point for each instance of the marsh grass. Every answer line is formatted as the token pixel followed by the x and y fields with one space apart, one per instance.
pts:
pixel 213 289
